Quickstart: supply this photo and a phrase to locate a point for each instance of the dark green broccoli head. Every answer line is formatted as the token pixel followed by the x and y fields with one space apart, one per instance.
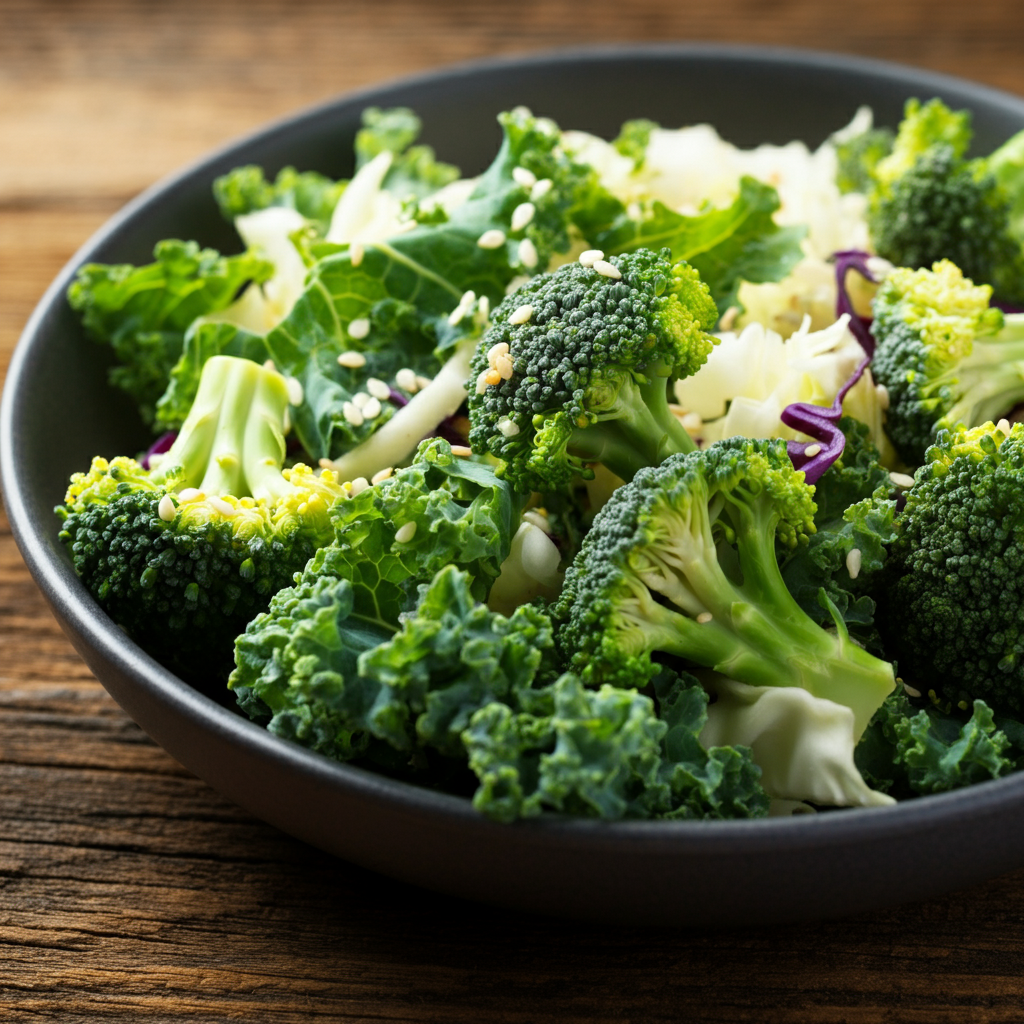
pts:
pixel 681 562
pixel 954 615
pixel 933 358
pixel 577 365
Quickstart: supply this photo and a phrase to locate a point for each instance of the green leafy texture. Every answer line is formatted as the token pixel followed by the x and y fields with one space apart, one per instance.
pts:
pixel 727 246
pixel 929 204
pixel 858 157
pixel 633 139
pixel 1007 165
pixel 414 172
pixel 682 562
pixel 945 356
pixel 910 752
pixel 853 512
pixel 952 605
pixel 591 370
pixel 144 312
pixel 246 190
pixel 184 575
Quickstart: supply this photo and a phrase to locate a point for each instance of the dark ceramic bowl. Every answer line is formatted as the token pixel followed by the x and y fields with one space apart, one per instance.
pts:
pixel 58 412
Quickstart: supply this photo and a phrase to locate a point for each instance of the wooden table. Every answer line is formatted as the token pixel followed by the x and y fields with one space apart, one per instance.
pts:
pixel 129 889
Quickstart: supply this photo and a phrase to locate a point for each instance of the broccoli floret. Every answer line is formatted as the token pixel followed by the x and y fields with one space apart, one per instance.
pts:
pixel 945 356
pixel 953 612
pixel 929 203
pixel 184 555
pixel 577 368
pixel 681 562
pixel 859 155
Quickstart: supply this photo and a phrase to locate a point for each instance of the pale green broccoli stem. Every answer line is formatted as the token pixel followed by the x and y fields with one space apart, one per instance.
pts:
pixel 990 381
pixel 232 441
pixel 394 442
pixel 756 631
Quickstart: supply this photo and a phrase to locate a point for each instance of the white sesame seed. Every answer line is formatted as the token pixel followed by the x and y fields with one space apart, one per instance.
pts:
pixel 1004 426
pixel 422 382
pixel 456 315
pixel 729 318
pixel 372 409
pixel 359 399
pixel 468 298
pixel 352 414
pixel 911 691
pixel 538 520
pixel 381 475
pixel 507 428
pixel 484 307
pixel 503 364
pixel 221 506
pixel 704 618
pixel 359 328
pixel 605 269
pixel 356 252
pixel 500 349
pixel 405 532
pixel 853 563
pixel 325 464
pixel 492 376
pixel 520 315
pixel 811 450
pixel 882 393
pixel 352 360
pixel 590 257
pixel 879 268
pixel 166 509
pixel 359 485
pixel 269 365
pixel 462 450
pixel 190 494
pixel 517 282
pixel 493 239
pixel 522 215
pixel 295 394
pixel 902 480
pixel 378 389
pixel 541 189
pixel 406 380
pixel 523 176
pixel 481 382
pixel 528 255
pixel 692 422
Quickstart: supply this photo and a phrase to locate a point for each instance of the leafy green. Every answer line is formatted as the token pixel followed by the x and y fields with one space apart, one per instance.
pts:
pixel 246 190
pixel 144 312
pixel 633 139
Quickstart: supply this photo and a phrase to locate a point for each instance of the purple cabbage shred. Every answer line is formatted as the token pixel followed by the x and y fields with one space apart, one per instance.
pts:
pixel 822 421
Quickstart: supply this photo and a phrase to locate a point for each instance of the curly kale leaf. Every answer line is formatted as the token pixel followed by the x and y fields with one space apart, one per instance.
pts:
pixel 246 190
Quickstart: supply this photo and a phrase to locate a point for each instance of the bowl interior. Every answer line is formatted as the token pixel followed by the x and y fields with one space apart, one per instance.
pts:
pixel 58 413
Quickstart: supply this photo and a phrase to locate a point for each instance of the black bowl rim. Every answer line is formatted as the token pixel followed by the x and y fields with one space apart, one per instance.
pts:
pixel 75 606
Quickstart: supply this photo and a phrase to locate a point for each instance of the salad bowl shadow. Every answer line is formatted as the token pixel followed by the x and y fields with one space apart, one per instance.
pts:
pixel 707 874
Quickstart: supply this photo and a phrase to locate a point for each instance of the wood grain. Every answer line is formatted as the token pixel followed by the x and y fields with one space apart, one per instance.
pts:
pixel 129 890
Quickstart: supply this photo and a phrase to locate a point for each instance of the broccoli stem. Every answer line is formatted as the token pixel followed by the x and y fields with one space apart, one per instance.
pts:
pixel 990 381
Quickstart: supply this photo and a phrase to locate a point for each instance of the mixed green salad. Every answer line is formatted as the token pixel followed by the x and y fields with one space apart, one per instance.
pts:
pixel 650 478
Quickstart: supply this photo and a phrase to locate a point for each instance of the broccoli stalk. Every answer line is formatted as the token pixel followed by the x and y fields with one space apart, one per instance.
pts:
pixel 577 369
pixel 682 562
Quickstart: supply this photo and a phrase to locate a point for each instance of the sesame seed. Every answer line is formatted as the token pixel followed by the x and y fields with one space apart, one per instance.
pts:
pixel 381 475
pixel 166 509
pixel 853 563
pixel 524 177
pixel 484 307
pixel 456 315
pixel 352 360
pixel 692 422
pixel 902 480
pixel 521 315
pixel 468 298
pixel 221 506
pixel 325 464
pixel 295 393
pixel 879 268
pixel 522 215
pixel 811 450
pixel 356 252
pixel 507 428
pixel 378 389
pixel 359 485
pixel 500 349
pixel 528 255
pixel 882 393
pixel 493 239
pixel 704 618
pixel 269 365
pixel 729 318
pixel 481 382
pixel 1004 426
pixel 541 189
pixel 492 377
pixel 359 399
pixel 422 382
pixel 352 414
pixel 359 328
pixel 911 691
pixel 503 365
pixel 590 257
pixel 605 269
pixel 372 409
pixel 405 533
pixel 461 450
pixel 517 282
pixel 190 494
pixel 406 380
